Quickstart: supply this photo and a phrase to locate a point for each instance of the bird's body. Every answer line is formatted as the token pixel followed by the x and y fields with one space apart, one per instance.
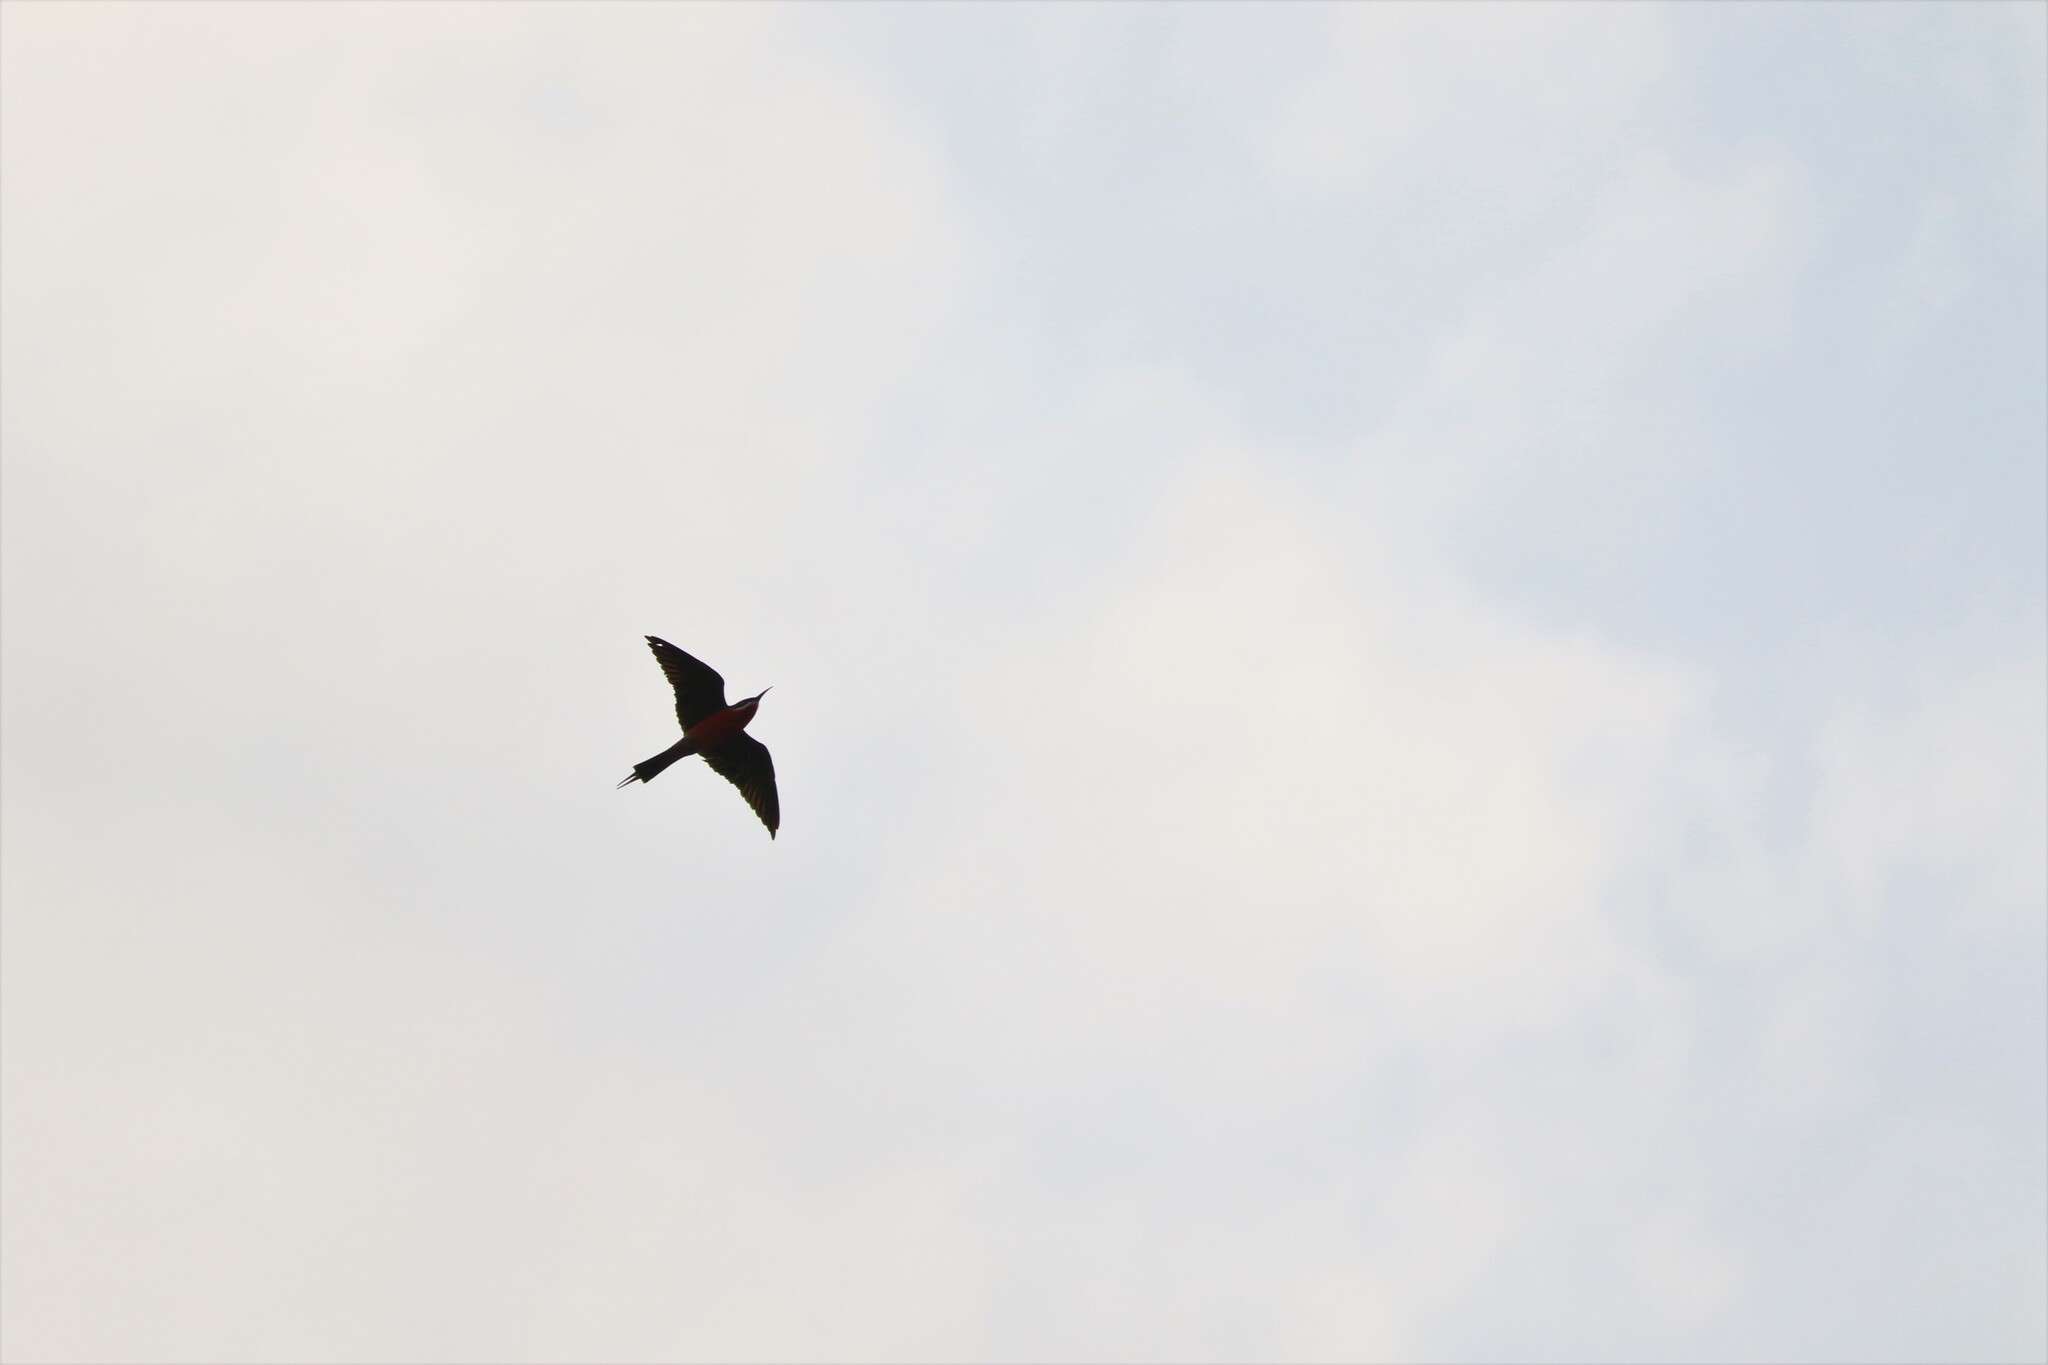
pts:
pixel 720 726
pixel 715 730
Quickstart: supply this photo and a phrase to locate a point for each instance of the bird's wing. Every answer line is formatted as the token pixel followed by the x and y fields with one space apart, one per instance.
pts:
pixel 699 689
pixel 744 762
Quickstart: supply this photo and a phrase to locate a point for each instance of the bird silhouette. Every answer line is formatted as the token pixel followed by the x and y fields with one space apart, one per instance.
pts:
pixel 715 730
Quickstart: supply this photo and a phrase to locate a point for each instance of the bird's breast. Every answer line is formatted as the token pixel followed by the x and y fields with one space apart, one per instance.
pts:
pixel 719 725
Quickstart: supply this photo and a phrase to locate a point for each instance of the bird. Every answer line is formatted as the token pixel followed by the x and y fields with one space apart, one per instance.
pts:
pixel 715 730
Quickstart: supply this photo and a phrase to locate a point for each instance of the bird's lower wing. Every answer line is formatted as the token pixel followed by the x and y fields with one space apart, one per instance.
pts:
pixel 744 762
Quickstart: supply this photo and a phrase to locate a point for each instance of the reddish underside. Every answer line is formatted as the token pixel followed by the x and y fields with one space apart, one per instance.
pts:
pixel 719 726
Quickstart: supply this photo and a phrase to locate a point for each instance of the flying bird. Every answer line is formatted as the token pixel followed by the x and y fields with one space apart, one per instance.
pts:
pixel 715 730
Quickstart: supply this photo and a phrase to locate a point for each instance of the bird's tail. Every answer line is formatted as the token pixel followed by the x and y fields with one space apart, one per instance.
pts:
pixel 650 769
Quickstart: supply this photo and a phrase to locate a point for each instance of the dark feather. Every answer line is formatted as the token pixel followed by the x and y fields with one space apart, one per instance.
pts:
pixel 699 690
pixel 744 762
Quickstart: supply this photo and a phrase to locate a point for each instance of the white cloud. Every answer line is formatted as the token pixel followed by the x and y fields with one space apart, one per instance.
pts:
pixel 1339 770
pixel 1210 923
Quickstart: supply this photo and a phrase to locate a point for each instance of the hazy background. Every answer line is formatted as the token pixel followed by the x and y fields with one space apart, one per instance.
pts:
pixel 1409 659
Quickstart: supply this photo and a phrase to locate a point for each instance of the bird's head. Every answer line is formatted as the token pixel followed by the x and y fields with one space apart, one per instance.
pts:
pixel 753 703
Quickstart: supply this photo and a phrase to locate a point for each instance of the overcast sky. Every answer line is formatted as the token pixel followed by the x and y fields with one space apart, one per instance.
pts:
pixel 1409 660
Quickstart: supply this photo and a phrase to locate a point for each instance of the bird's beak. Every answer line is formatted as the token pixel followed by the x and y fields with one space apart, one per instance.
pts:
pixel 762 693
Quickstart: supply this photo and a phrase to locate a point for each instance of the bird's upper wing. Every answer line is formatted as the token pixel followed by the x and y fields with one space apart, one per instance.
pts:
pixel 699 689
pixel 744 762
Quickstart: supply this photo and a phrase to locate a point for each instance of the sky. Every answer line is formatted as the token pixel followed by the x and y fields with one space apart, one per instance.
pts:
pixel 1409 649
